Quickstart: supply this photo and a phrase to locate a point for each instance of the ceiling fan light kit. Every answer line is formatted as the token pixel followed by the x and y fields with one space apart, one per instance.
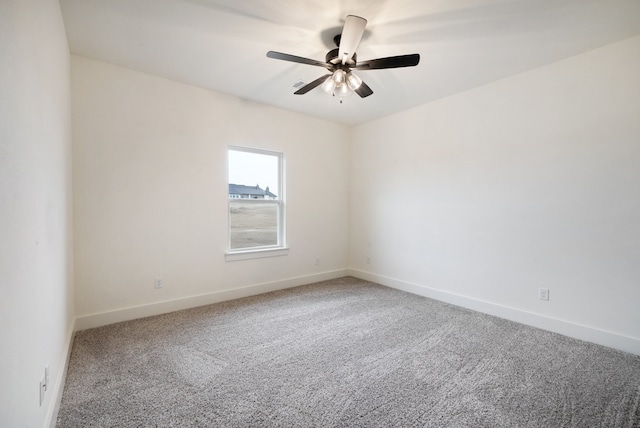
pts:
pixel 342 81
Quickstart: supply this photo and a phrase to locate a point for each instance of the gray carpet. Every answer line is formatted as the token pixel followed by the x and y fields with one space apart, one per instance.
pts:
pixel 343 353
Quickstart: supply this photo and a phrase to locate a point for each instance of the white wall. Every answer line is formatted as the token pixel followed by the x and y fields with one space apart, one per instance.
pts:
pixel 36 295
pixel 150 193
pixel 532 181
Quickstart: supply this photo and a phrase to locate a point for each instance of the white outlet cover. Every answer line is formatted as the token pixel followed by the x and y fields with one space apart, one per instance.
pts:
pixel 42 389
pixel 46 377
pixel 543 294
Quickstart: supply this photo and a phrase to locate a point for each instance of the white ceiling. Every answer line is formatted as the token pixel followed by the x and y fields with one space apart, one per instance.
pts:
pixel 222 44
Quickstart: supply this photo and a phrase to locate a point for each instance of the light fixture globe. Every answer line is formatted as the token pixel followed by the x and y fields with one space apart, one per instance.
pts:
pixel 339 76
pixel 342 90
pixel 328 85
pixel 353 81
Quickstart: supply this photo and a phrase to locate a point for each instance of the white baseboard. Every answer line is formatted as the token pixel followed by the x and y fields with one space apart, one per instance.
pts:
pixel 567 328
pixel 52 413
pixel 130 313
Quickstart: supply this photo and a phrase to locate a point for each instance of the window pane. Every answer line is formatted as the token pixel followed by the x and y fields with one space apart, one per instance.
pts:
pixel 255 170
pixel 253 224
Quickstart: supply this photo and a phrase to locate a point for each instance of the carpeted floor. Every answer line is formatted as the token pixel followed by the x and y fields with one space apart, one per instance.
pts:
pixel 343 353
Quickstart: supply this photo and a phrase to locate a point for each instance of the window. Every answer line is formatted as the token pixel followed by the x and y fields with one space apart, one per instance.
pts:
pixel 256 203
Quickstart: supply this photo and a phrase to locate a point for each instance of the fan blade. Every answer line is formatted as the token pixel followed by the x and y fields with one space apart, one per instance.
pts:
pixel 309 86
pixel 351 35
pixel 298 59
pixel 389 62
pixel 363 90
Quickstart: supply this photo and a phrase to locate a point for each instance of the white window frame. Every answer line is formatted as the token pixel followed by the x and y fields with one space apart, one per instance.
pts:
pixel 280 249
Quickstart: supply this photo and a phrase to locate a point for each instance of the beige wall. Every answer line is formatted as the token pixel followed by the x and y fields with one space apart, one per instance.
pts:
pixel 532 181
pixel 150 193
pixel 36 295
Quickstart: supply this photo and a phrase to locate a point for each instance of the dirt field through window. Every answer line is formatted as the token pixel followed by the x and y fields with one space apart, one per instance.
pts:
pixel 253 224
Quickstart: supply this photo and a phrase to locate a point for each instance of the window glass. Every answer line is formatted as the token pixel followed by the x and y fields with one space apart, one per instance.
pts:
pixel 255 199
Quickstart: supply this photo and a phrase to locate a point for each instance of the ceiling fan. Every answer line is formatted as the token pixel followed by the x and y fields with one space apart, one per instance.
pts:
pixel 342 81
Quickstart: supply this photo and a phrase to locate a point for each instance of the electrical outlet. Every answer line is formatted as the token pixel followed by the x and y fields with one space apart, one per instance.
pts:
pixel 368 260
pixel 43 388
pixel 159 283
pixel 46 377
pixel 543 294
pixel 317 261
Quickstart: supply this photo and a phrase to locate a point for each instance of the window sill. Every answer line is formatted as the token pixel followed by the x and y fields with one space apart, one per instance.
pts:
pixel 234 256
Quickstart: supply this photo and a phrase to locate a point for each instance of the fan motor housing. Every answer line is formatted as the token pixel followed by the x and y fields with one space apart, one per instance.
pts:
pixel 332 57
